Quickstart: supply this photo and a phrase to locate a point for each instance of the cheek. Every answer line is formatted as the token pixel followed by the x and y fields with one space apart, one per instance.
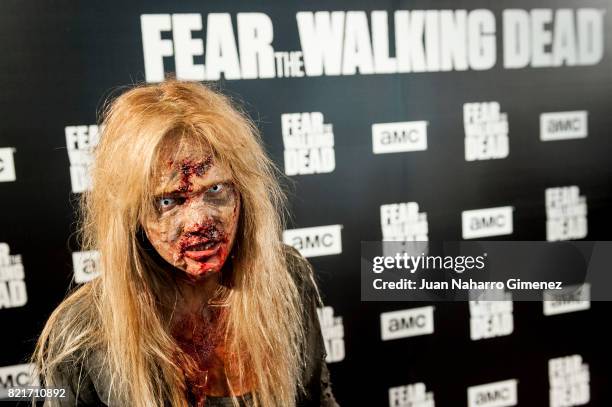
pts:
pixel 168 229
pixel 163 235
pixel 232 225
pixel 231 216
pixel 226 213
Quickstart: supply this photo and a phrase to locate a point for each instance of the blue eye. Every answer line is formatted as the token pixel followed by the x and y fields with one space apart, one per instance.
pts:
pixel 166 202
pixel 215 189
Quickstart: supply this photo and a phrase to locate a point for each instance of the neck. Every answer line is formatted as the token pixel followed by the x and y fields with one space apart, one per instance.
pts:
pixel 196 293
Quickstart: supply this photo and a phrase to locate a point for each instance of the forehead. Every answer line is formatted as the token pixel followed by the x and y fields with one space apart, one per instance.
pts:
pixel 186 161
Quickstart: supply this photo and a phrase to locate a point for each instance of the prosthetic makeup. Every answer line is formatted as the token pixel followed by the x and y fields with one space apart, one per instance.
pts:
pixel 193 228
pixel 197 209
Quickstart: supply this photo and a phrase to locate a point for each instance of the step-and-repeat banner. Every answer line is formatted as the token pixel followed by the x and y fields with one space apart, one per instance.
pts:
pixel 397 120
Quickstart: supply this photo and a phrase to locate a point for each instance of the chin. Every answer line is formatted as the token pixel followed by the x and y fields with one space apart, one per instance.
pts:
pixel 202 269
pixel 197 273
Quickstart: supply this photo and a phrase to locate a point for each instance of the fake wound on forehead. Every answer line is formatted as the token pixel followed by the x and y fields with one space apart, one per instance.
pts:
pixel 189 166
pixel 185 169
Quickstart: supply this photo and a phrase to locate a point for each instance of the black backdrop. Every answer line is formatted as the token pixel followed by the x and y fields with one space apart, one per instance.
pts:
pixel 61 59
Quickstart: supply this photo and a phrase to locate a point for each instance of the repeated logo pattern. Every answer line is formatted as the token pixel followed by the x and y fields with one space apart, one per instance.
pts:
pixel 396 125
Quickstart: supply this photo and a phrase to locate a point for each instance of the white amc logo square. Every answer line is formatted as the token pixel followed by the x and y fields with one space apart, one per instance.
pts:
pixel 86 265
pixel 315 241
pixel 563 125
pixel 573 298
pixel 487 222
pixel 406 323
pixel 399 137
pixel 17 376
pixel 497 394
pixel 7 165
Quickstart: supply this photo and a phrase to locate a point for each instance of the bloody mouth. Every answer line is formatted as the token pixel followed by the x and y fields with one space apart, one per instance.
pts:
pixel 201 251
pixel 202 242
pixel 205 243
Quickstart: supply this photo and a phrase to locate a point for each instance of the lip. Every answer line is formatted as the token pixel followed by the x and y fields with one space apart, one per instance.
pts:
pixel 202 254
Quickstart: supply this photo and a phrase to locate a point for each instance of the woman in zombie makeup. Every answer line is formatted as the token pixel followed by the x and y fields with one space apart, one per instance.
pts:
pixel 199 303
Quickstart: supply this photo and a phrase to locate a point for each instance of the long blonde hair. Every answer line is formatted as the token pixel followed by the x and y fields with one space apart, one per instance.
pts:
pixel 123 313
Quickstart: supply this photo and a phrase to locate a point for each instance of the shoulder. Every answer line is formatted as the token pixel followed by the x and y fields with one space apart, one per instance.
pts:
pixel 315 379
pixel 302 272
pixel 87 380
pixel 74 375
pixel 71 335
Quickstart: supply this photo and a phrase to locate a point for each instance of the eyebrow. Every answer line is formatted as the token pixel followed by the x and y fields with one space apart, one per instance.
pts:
pixel 176 191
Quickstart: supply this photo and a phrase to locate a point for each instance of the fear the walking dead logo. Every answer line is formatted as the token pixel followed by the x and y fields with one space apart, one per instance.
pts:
pixel 241 46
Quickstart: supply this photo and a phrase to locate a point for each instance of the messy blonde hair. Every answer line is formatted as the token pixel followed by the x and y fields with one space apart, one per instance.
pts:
pixel 124 312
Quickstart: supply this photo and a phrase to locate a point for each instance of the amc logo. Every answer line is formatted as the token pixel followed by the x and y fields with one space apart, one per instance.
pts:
pixel 563 125
pixel 487 222
pixel 498 394
pixel 315 241
pixel 406 323
pixel 17 376
pixel 86 265
pixel 7 165
pixel 399 137
pixel 573 298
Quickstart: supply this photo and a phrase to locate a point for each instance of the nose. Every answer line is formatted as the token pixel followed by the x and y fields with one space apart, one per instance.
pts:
pixel 195 213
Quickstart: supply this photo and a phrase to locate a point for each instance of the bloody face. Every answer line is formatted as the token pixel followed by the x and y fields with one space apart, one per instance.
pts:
pixel 196 214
